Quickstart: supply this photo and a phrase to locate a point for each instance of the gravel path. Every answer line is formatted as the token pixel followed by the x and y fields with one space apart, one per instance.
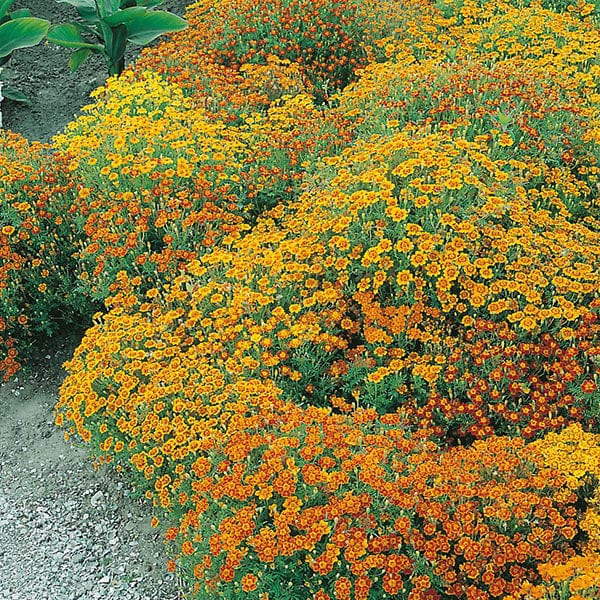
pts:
pixel 67 531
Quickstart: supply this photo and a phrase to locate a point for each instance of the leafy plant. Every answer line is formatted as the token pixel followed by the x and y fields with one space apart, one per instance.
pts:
pixel 17 30
pixel 39 291
pixel 108 25
pixel 328 39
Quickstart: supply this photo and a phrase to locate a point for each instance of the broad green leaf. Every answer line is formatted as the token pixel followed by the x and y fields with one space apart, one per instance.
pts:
pixel 21 33
pixel 108 7
pixel 14 94
pixel 4 6
pixel 78 57
pixel 125 15
pixel 68 35
pixel 105 32
pixel 151 25
pixel 19 14
pixel 85 8
pixel 85 4
pixel 149 3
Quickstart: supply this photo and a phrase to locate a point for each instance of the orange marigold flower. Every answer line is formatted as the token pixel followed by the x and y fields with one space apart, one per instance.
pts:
pixel 249 582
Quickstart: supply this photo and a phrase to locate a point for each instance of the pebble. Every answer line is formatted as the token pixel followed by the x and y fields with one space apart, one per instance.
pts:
pixel 97 499
pixel 68 532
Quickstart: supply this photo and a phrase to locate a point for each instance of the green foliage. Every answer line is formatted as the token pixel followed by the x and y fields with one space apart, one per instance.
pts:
pixel 107 26
pixel 21 32
pixel 39 293
pixel 328 39
pixel 18 30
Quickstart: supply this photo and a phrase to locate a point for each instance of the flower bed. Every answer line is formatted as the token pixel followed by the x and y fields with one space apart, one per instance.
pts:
pixel 348 349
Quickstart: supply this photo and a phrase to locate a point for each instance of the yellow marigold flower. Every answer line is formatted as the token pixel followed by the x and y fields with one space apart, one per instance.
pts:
pixel 403 278
pixel 528 323
pixel 418 259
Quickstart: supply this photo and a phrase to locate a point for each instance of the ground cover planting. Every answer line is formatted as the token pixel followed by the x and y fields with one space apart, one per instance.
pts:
pixel 338 266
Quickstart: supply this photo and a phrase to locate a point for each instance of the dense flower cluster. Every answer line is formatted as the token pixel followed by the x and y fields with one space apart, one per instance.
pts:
pixel 350 344
pixel 164 180
pixel 521 114
pixel 577 579
pixel 37 242
pixel 431 271
pixel 160 181
pixel 577 455
pixel 357 294
pixel 274 497
pixel 327 40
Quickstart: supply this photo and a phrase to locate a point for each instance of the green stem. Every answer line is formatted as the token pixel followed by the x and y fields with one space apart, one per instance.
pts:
pixel 115 68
